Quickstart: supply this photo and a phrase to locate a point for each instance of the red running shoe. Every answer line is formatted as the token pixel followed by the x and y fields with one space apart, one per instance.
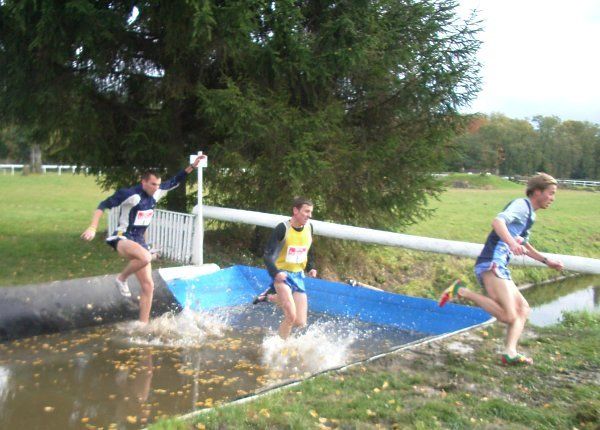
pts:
pixel 450 292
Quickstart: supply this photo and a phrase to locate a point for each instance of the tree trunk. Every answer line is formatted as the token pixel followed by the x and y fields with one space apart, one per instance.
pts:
pixel 35 158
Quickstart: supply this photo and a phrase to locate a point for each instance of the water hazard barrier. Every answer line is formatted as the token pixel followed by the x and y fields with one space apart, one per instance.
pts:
pixel 64 305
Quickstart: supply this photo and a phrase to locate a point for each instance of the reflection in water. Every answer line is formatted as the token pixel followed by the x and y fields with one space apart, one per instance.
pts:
pixel 129 375
pixel 4 379
pixel 549 301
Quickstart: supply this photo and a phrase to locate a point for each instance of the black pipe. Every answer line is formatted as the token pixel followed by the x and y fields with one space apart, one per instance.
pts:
pixel 31 310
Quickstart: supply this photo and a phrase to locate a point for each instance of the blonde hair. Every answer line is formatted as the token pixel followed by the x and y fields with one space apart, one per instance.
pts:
pixel 540 181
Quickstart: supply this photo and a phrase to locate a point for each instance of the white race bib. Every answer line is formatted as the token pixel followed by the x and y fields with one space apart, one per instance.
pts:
pixel 296 254
pixel 143 217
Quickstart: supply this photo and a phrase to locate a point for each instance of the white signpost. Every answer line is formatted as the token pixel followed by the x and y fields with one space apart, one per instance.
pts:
pixel 198 243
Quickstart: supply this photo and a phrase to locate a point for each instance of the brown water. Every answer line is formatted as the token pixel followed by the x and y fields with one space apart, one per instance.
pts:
pixel 549 301
pixel 127 375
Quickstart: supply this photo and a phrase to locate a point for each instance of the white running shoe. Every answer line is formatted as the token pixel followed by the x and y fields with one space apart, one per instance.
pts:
pixel 123 287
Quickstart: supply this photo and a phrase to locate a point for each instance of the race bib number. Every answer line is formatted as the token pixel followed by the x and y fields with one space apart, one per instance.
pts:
pixel 143 218
pixel 296 254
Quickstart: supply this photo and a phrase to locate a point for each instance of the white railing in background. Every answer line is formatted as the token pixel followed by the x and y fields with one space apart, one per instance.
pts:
pixel 10 167
pixel 45 167
pixel 171 233
pixel 568 182
pixel 579 182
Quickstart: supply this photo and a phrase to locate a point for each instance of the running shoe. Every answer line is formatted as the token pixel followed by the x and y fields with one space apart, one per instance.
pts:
pixel 123 287
pixel 450 292
pixel 517 360
pixel 263 297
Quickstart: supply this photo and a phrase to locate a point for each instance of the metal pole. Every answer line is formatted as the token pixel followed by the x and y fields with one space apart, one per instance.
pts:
pixel 198 244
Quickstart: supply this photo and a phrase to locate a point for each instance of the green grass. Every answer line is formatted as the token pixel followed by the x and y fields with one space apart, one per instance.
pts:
pixel 41 219
pixel 570 226
pixel 435 388
pixel 465 180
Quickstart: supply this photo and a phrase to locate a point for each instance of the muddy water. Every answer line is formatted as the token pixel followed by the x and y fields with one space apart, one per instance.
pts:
pixel 549 301
pixel 127 375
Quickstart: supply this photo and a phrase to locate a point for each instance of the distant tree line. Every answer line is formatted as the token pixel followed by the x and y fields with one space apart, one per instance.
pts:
pixel 506 146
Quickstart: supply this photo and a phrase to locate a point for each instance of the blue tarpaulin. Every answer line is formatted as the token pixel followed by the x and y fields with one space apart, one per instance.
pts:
pixel 238 285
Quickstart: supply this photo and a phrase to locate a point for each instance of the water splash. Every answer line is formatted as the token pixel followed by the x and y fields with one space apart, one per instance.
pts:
pixel 189 329
pixel 321 346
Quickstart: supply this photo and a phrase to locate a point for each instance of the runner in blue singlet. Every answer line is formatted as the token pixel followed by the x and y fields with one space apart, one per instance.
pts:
pixel 136 209
pixel 510 236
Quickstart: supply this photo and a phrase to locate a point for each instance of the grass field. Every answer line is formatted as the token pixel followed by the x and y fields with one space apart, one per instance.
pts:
pixel 41 218
pixel 570 226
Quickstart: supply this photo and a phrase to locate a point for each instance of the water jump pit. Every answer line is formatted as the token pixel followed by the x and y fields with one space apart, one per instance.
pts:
pixel 209 346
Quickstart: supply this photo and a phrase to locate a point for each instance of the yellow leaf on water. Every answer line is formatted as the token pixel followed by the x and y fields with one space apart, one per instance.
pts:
pixel 48 409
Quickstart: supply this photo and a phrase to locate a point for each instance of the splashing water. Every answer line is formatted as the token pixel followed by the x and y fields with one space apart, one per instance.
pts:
pixel 186 329
pixel 321 346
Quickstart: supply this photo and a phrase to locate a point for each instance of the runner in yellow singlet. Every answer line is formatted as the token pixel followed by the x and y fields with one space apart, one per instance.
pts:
pixel 288 255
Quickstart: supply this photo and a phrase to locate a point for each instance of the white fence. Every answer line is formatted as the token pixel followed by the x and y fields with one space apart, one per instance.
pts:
pixel 170 232
pixel 45 167
pixel 568 182
pixel 578 183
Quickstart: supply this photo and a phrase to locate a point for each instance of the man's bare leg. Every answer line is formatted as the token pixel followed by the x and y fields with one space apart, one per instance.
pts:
pixel 515 330
pixel 286 303
pixel 138 257
pixel 489 303
pixel 301 302
pixel 144 276
pixel 505 303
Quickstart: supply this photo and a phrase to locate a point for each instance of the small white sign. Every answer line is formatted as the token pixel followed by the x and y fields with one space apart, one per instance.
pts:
pixel 203 162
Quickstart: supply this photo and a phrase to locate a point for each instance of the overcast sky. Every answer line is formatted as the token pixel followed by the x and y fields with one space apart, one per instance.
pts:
pixel 539 57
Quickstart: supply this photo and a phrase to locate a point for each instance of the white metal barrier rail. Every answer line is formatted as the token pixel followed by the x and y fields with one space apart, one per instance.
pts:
pixel 170 232
pixel 428 244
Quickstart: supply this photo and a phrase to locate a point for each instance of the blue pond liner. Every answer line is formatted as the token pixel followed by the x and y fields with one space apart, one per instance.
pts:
pixel 238 285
